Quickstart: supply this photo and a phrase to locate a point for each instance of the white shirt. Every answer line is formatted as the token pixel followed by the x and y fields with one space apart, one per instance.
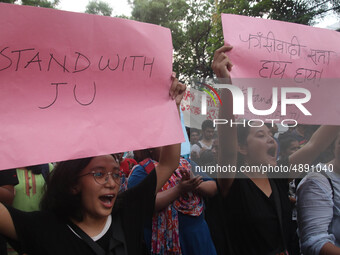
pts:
pixel 196 148
pixel 318 213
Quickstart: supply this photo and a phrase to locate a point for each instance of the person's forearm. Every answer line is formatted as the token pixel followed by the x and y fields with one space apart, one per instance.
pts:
pixel 168 163
pixel 170 155
pixel 227 135
pixel 6 223
pixel 319 142
pixel 7 194
pixel 207 188
pixel 164 198
pixel 329 249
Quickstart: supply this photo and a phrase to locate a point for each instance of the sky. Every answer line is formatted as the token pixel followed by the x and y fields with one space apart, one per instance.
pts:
pixel 119 6
pixel 331 21
pixel 122 7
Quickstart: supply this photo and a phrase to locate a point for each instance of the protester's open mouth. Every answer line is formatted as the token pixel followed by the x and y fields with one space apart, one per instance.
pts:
pixel 107 200
pixel 272 152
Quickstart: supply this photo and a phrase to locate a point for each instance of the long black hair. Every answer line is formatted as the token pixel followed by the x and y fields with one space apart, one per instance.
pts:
pixel 59 197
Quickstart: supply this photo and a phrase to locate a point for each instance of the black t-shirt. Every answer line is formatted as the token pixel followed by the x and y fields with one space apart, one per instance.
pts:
pixel 42 233
pixel 251 219
pixel 8 177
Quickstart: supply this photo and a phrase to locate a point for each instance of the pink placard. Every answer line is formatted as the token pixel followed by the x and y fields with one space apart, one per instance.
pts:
pixel 270 53
pixel 76 85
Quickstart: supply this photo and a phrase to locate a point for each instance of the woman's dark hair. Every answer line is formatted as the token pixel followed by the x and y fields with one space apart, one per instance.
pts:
pixel 59 197
pixel 242 134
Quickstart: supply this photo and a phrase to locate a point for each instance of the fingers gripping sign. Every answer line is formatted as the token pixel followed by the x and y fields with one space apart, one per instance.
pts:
pixel 221 63
pixel 177 89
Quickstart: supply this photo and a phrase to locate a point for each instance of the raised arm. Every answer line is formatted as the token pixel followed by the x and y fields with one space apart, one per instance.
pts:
pixel 169 156
pixel 227 135
pixel 319 142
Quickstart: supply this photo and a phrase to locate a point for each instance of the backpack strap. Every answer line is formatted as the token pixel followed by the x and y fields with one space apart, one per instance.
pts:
pixel 115 245
pixel 96 248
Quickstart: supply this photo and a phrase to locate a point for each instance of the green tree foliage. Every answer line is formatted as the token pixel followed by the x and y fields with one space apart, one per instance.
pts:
pixel 303 12
pixel 37 3
pixel 297 11
pixel 190 24
pixel 41 3
pixel 194 57
pixel 8 1
pixel 99 8
pixel 167 13
pixel 196 25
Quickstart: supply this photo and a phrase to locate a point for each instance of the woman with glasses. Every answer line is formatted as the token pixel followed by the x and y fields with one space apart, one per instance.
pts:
pixel 82 212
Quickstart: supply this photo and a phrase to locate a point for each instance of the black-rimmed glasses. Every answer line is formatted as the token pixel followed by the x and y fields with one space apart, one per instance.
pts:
pixel 102 177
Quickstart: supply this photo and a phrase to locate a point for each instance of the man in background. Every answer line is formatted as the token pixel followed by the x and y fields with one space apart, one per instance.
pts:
pixel 208 132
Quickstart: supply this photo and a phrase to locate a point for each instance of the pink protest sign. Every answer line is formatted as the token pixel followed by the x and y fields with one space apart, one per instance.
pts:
pixel 76 85
pixel 288 69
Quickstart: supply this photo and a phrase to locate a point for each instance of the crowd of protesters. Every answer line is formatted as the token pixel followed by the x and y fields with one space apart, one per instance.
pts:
pixel 152 201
